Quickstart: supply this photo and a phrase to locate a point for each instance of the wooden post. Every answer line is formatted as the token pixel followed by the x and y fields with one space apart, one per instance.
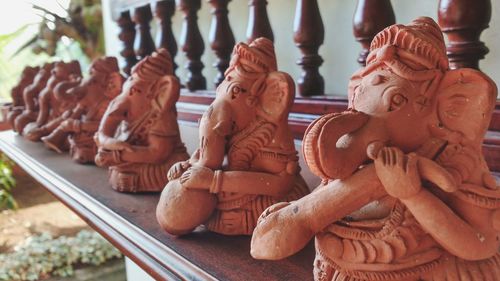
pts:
pixel 258 21
pixel 127 36
pixel 371 17
pixel 145 45
pixel 192 44
pixel 308 36
pixel 221 37
pixel 463 21
pixel 164 10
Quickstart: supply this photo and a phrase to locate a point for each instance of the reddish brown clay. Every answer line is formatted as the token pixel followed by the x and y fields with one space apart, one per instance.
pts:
pixel 426 207
pixel 50 114
pixel 92 96
pixel 247 124
pixel 16 93
pixel 138 137
pixel 30 98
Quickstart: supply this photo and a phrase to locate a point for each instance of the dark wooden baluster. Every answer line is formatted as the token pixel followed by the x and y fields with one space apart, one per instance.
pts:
pixel 127 36
pixel 308 36
pixel 164 10
pixel 221 37
pixel 145 44
pixel 371 17
pixel 258 21
pixel 463 21
pixel 192 44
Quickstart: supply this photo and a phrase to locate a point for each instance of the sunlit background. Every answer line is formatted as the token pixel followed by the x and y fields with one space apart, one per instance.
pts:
pixel 20 22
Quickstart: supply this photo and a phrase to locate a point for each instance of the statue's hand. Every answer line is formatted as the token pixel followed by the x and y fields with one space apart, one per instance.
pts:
pixel 71 125
pixel 107 158
pixel 117 145
pixel 197 177
pixel 177 170
pixel 398 172
pixel 279 233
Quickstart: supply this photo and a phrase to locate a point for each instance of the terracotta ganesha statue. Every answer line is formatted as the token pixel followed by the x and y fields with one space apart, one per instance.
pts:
pixel 50 114
pixel 138 137
pixel 30 98
pixel 91 97
pixel 246 125
pixel 17 107
pixel 406 193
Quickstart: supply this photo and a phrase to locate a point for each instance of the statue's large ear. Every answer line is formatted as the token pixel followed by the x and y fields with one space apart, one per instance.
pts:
pixel 465 102
pixel 168 91
pixel 276 97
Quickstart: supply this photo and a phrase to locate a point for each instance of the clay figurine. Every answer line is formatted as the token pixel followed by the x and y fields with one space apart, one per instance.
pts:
pixel 30 98
pixel 406 192
pixel 17 107
pixel 92 97
pixel 63 76
pixel 138 137
pixel 247 124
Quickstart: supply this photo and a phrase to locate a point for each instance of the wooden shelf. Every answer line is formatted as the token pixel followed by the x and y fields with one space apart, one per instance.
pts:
pixel 128 221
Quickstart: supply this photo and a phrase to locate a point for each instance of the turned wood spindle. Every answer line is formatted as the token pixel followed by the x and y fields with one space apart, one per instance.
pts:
pixel 192 44
pixel 258 21
pixel 221 37
pixel 127 36
pixel 371 17
pixel 463 21
pixel 145 44
pixel 164 11
pixel 308 36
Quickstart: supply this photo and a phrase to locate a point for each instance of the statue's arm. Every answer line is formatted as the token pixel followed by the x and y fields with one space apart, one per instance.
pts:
pixel 456 235
pixel 158 151
pixel 43 114
pixel 115 113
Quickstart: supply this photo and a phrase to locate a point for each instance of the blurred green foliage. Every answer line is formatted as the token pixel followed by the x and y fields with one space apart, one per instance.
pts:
pixel 7 182
pixel 76 34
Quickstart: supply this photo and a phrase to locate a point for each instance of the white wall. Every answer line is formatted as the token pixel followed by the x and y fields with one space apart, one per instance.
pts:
pixel 339 50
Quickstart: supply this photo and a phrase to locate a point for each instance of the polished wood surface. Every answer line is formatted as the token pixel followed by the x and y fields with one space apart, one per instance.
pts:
pixel 128 222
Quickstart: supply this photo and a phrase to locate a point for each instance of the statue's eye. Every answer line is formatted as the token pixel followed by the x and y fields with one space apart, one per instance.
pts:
pixel 236 90
pixel 397 101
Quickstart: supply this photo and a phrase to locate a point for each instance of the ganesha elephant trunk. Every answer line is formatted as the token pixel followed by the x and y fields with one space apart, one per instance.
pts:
pixel 335 145
pixel 69 90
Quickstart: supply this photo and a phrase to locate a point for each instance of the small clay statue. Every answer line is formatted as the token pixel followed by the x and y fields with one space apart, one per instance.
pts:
pixel 406 192
pixel 63 76
pixel 30 98
pixel 247 124
pixel 16 93
pixel 138 137
pixel 91 96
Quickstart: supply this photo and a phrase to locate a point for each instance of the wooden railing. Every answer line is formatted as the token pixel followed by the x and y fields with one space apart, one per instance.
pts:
pixel 461 20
